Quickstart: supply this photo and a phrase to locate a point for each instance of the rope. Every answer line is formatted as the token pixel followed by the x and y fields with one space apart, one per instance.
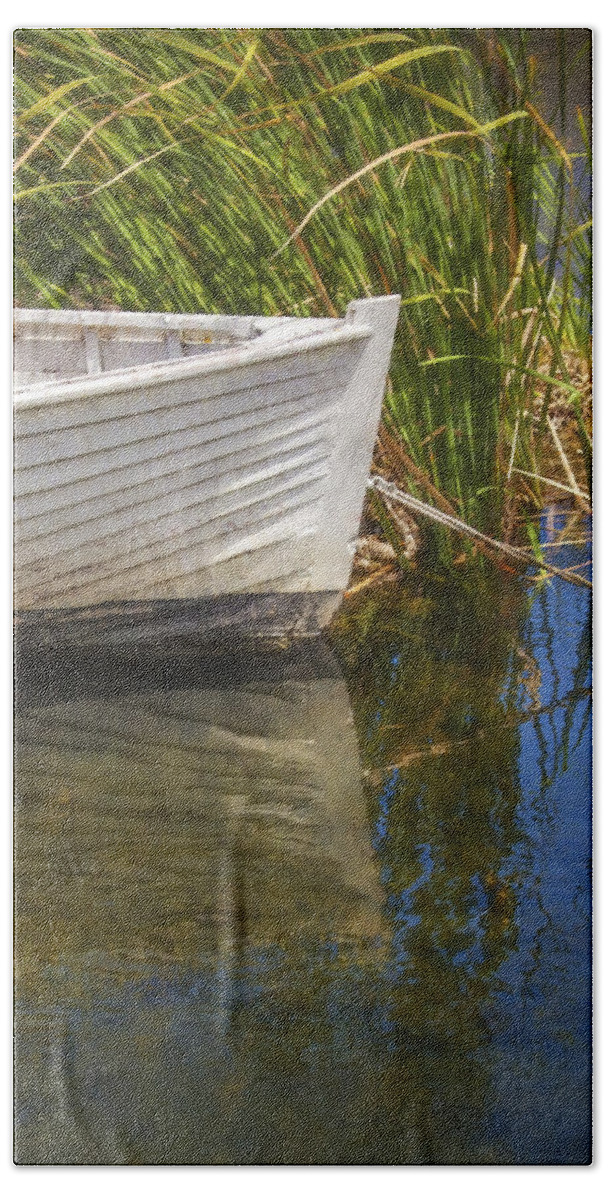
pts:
pixel 390 490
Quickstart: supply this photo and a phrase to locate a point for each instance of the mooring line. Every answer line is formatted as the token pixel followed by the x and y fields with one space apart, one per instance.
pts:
pixel 386 488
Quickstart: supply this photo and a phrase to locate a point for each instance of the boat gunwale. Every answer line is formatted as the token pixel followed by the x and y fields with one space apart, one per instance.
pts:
pixel 266 347
pixel 160 322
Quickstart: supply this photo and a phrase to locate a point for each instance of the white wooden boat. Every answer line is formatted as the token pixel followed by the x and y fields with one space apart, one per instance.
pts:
pixel 172 458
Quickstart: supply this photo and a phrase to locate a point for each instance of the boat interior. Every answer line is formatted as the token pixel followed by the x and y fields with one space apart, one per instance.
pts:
pixel 51 345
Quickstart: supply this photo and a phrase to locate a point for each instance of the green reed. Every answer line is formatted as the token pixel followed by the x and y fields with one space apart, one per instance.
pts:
pixel 167 169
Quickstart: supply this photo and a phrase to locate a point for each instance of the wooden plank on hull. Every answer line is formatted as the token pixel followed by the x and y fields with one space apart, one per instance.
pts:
pixel 154 502
pixel 305 380
pixel 61 507
pixel 118 429
pixel 176 546
pixel 281 548
pixel 202 432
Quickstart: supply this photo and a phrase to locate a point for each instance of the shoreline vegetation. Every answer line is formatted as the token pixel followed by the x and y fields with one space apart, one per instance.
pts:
pixel 288 171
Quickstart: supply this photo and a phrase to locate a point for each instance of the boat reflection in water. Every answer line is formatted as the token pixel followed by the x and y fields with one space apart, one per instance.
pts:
pixel 193 857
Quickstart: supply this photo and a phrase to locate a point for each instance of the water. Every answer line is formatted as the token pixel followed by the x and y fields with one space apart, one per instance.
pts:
pixel 320 905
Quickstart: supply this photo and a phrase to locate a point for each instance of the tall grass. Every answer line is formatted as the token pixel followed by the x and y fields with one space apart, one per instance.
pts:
pixel 177 170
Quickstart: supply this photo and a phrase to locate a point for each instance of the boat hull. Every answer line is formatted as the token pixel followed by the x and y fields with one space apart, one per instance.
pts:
pixel 201 475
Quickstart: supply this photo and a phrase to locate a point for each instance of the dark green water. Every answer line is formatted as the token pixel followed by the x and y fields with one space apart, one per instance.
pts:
pixel 326 905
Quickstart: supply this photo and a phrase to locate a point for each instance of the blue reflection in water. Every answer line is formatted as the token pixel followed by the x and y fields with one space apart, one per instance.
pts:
pixel 540 1016
pixel 535 1004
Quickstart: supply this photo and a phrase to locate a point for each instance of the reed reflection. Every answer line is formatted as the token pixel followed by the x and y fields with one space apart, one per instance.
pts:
pixel 310 906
